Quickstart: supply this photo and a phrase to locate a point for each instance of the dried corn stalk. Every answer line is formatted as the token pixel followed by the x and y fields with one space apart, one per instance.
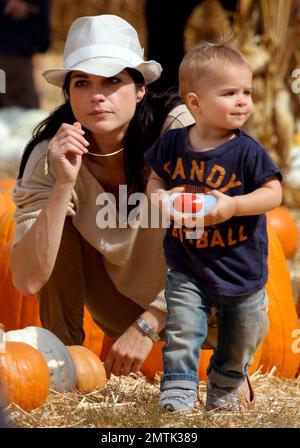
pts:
pixel 271 46
pixel 66 11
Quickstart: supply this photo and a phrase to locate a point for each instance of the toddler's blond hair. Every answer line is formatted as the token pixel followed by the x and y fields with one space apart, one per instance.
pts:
pixel 198 63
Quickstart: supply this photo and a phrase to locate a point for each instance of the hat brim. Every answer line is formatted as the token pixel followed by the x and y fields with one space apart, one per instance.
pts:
pixel 103 66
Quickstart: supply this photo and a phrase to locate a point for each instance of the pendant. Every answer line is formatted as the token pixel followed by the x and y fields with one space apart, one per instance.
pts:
pixel 46 166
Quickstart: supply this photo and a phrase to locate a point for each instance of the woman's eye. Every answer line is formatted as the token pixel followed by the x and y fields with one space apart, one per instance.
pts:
pixel 113 80
pixel 80 83
pixel 229 93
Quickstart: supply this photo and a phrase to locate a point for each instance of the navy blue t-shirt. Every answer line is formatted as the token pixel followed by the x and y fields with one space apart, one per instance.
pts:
pixel 230 258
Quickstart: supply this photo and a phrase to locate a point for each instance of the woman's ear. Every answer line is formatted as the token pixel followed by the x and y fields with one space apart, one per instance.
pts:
pixel 140 93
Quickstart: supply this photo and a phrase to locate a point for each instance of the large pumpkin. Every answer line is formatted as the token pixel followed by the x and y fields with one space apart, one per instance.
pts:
pixel 7 185
pixel 16 310
pixel 277 347
pixel 20 311
pixel 298 304
pixel 6 203
pixel 24 374
pixel 7 224
pixel 56 355
pixel 93 334
pixel 7 209
pixel 285 226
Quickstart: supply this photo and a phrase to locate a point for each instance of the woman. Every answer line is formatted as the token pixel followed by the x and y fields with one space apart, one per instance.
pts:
pixel 92 144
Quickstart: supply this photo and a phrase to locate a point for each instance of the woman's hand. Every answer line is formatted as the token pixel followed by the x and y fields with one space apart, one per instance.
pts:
pixel 128 352
pixel 66 149
pixel 224 209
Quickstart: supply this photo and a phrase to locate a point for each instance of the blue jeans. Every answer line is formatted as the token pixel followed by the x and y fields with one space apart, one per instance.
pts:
pixel 240 324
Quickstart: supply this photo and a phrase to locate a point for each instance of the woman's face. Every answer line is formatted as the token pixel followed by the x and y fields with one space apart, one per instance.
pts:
pixel 104 105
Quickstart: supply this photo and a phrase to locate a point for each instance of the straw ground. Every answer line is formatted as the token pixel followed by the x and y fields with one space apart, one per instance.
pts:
pixel 131 402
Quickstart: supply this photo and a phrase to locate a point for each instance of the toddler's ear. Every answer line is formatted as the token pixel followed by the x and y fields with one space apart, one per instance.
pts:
pixel 193 101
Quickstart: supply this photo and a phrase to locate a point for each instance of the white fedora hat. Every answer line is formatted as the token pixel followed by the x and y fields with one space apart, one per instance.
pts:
pixel 103 45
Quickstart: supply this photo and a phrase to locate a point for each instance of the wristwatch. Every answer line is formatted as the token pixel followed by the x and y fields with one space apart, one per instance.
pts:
pixel 147 329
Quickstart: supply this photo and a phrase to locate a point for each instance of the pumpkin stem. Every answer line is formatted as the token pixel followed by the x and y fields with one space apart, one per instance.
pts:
pixel 2 339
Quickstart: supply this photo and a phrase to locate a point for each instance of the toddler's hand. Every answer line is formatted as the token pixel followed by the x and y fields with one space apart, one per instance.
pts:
pixel 223 211
pixel 165 200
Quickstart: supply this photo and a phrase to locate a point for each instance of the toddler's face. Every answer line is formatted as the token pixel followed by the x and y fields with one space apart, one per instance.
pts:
pixel 225 102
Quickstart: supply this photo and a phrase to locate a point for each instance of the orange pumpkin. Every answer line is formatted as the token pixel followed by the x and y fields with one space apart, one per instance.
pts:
pixel 6 203
pixel 277 346
pixel 20 311
pixel 285 227
pixel 16 310
pixel 298 305
pixel 25 375
pixel 7 209
pixel 93 334
pixel 90 372
pixel 7 224
pixel 7 185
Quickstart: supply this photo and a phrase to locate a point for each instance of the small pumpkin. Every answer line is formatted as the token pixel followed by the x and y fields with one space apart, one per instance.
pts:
pixel 285 226
pixel 90 372
pixel 24 374
pixel 55 353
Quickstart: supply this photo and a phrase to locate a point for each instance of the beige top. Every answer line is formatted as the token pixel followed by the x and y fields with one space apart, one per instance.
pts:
pixel 133 257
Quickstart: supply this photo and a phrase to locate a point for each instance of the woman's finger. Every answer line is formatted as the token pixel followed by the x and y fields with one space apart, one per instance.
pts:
pixel 136 366
pixel 108 363
pixel 66 142
pixel 68 133
pixel 117 367
pixel 71 127
pixel 70 148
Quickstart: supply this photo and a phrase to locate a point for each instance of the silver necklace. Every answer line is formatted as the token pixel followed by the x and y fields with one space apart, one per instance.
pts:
pixel 106 155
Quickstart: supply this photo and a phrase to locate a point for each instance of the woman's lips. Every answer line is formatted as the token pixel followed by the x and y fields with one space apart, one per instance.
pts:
pixel 99 112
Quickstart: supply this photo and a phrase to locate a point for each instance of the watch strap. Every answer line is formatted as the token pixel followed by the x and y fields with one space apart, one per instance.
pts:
pixel 147 329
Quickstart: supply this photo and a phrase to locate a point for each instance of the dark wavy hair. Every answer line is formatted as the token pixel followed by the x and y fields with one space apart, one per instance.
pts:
pixel 142 132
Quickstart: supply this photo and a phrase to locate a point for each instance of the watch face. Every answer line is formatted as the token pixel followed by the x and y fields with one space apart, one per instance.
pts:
pixel 148 330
